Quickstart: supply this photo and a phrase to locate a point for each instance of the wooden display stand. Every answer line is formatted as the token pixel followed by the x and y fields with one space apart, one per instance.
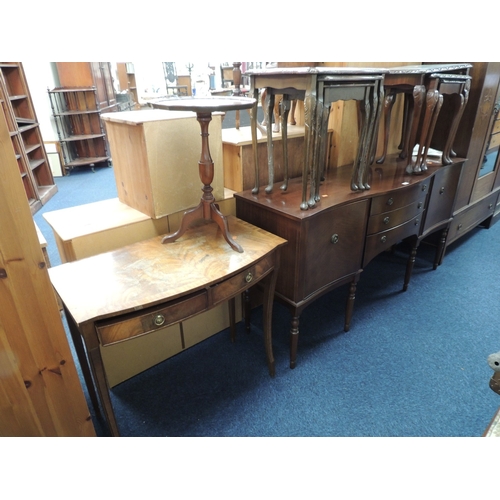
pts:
pixel 103 226
pixel 155 157
pixel 239 171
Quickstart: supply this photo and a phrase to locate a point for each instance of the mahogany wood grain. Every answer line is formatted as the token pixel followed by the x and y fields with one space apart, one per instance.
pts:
pixel 145 286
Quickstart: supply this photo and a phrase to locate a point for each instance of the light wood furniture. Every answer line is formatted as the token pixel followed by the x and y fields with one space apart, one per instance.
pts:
pixel 330 245
pixel 239 171
pixel 145 286
pixel 155 159
pixel 207 208
pixel 40 392
pixel 24 132
pixel 87 230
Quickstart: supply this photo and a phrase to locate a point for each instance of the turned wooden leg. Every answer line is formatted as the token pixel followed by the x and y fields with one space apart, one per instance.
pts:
pixel 439 256
pixel 350 303
pixel 294 341
pixel 410 264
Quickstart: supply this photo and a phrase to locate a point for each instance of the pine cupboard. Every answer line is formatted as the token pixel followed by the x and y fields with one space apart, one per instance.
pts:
pixel 40 392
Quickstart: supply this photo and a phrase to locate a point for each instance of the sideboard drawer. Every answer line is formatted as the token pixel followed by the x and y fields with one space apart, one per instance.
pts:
pixel 472 216
pixel 399 198
pixel 239 283
pixel 388 220
pixel 377 243
pixel 147 321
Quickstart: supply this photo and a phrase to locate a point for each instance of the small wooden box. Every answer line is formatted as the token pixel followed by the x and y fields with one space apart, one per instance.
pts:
pixel 155 156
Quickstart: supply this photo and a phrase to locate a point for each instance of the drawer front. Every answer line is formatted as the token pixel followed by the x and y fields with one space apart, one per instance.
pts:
pixel 472 217
pixel 243 280
pixel 333 245
pixel 388 220
pixel 380 242
pixel 136 324
pixel 400 198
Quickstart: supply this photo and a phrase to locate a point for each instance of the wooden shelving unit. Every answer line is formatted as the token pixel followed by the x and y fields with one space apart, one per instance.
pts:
pixel 78 122
pixel 24 131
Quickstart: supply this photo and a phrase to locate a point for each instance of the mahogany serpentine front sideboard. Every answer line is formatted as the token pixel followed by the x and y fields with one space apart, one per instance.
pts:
pixel 329 245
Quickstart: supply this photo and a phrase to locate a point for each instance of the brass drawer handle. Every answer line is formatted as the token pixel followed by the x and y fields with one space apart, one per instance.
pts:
pixel 390 201
pixel 424 187
pixel 334 239
pixel 249 277
pixel 441 191
pixel 417 222
pixel 386 220
pixel 459 227
pixel 159 319
pixel 383 239
pixel 419 204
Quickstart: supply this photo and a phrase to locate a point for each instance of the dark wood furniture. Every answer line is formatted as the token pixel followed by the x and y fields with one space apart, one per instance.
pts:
pixel 479 187
pixel 424 88
pixel 207 208
pixel 319 87
pixel 329 245
pixel 25 135
pixel 140 288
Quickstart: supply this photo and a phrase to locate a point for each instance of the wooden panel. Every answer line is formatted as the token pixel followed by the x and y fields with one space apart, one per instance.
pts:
pixel 40 392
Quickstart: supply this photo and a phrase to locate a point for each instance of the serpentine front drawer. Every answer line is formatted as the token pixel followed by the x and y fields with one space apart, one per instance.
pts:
pixel 388 220
pixel 242 281
pixel 400 198
pixel 377 243
pixel 152 319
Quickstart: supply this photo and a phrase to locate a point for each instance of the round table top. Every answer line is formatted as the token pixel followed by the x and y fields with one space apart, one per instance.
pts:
pixel 205 104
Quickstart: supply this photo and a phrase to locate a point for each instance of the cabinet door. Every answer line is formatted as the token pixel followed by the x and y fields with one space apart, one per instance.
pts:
pixel 103 81
pixel 442 198
pixel 334 242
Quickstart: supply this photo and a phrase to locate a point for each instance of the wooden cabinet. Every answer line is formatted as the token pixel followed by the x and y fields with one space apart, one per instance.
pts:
pixel 90 74
pixel 25 135
pixel 329 245
pixel 476 140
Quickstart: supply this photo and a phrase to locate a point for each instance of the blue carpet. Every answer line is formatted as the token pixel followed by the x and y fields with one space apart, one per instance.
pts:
pixel 413 363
